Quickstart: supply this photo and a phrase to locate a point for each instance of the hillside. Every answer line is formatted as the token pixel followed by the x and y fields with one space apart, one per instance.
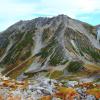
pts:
pixel 58 47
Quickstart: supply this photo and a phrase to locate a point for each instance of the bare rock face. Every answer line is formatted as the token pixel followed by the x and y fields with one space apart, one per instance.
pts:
pixel 45 44
pixel 98 33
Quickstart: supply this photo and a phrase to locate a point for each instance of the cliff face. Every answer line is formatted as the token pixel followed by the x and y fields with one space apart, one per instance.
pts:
pixel 45 44
pixel 98 33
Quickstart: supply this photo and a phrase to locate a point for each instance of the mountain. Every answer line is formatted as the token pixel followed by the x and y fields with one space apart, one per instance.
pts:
pixel 56 47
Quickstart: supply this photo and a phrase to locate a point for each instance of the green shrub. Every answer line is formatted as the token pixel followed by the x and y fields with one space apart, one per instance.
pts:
pixel 74 66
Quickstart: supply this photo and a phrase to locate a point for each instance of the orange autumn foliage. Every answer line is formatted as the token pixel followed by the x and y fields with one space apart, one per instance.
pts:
pixel 95 92
pixel 66 93
pixel 11 97
pixel 46 98
pixel 1 97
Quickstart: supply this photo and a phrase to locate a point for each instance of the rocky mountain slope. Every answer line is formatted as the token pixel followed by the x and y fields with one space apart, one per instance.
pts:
pixel 56 47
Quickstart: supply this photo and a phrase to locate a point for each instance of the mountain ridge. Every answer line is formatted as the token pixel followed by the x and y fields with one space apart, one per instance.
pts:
pixel 42 44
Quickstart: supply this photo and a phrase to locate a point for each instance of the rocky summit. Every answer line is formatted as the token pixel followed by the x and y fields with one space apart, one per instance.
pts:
pixel 58 48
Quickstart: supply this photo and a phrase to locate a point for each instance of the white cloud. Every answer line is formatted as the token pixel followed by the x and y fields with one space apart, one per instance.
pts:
pixel 12 8
pixel 69 7
pixel 12 11
pixel 88 5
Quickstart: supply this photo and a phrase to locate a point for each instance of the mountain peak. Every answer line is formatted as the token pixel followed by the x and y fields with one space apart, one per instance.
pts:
pixel 62 15
pixel 44 43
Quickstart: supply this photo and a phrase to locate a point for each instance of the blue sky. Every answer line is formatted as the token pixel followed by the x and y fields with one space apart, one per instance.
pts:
pixel 12 11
